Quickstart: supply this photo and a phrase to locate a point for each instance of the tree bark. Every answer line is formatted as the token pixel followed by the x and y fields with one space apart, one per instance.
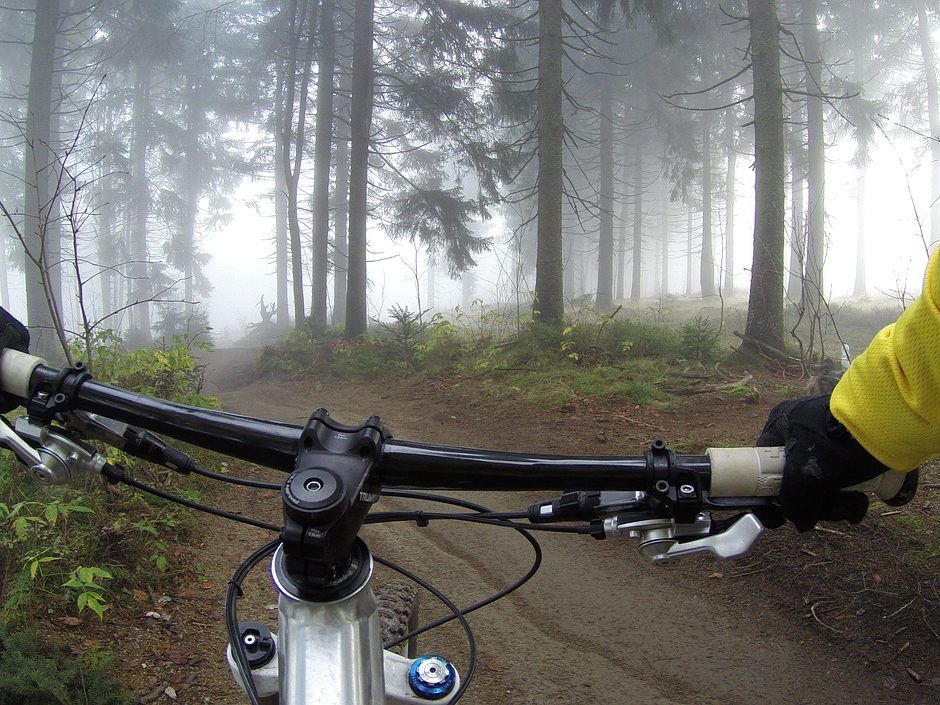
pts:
pixel 635 289
pixel 707 261
pixel 664 243
pixel 816 150
pixel 341 229
pixel 360 124
pixel 797 229
pixel 548 306
pixel 41 248
pixel 728 287
pixel 193 186
pixel 282 276
pixel 140 333
pixel 765 299
pixel 322 159
pixel 605 248
pixel 4 268
pixel 688 252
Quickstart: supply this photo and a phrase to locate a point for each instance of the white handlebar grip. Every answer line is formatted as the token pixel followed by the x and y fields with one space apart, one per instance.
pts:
pixel 746 472
pixel 16 369
pixel 757 472
pixel 886 486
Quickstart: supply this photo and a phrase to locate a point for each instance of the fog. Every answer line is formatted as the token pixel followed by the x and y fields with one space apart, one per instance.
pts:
pixel 142 158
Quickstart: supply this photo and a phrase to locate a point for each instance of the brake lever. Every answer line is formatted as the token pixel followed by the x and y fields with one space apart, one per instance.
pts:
pixel 61 457
pixel 661 539
pixel 97 427
pixel 27 455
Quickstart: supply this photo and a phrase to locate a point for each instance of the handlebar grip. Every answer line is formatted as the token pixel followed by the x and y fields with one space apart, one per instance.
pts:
pixel 757 472
pixel 16 370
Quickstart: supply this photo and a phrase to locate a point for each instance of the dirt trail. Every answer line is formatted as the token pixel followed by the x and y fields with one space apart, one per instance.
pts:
pixel 597 624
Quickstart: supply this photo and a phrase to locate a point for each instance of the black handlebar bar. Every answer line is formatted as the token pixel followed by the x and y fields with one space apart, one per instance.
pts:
pixel 402 464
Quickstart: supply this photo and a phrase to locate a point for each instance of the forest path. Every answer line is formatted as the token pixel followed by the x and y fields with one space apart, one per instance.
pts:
pixel 596 624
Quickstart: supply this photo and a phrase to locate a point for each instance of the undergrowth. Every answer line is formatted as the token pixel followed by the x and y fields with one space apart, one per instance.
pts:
pixel 82 548
pixel 37 673
pixel 598 356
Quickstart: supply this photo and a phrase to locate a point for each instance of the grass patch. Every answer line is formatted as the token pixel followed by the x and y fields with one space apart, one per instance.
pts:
pixel 560 385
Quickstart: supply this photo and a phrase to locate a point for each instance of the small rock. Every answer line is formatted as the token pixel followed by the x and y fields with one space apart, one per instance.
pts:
pixel 567 408
pixel 164 600
pixel 915 676
pixel 889 683
pixel 170 692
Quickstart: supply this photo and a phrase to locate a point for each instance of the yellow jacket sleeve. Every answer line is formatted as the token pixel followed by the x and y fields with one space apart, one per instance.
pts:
pixel 889 398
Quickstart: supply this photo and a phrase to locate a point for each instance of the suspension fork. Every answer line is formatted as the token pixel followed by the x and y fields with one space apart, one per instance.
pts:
pixel 329 652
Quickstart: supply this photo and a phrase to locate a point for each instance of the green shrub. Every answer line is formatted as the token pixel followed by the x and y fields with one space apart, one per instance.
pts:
pixel 32 673
pixel 368 357
pixel 170 372
pixel 700 340
pixel 443 347
pixel 617 340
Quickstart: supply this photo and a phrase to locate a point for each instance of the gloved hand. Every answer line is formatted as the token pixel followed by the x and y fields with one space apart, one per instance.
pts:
pixel 13 334
pixel 822 458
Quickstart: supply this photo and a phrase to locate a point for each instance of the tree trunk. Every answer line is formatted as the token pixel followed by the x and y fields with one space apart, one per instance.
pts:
pixel 192 192
pixel 816 149
pixel 41 249
pixel 707 261
pixel 282 276
pixel 291 135
pixel 933 113
pixel 728 288
pixel 341 228
pixel 861 227
pixel 4 268
pixel 360 128
pixel 140 334
pixel 322 157
pixel 107 242
pixel 798 231
pixel 688 252
pixel 765 299
pixel 548 306
pixel 624 216
pixel 605 248
pixel 664 243
pixel 635 290
pixel 468 284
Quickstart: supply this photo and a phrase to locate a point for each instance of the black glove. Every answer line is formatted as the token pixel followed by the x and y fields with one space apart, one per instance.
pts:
pixel 13 334
pixel 822 458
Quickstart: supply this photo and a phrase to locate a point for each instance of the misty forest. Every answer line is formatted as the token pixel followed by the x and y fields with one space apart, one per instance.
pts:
pixel 541 157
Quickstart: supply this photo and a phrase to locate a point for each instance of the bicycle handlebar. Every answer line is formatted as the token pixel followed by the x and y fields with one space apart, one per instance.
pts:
pixel 724 472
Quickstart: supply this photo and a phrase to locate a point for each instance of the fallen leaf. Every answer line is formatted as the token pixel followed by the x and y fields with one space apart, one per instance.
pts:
pixel 139 595
pixel 717 575
pixel 71 621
